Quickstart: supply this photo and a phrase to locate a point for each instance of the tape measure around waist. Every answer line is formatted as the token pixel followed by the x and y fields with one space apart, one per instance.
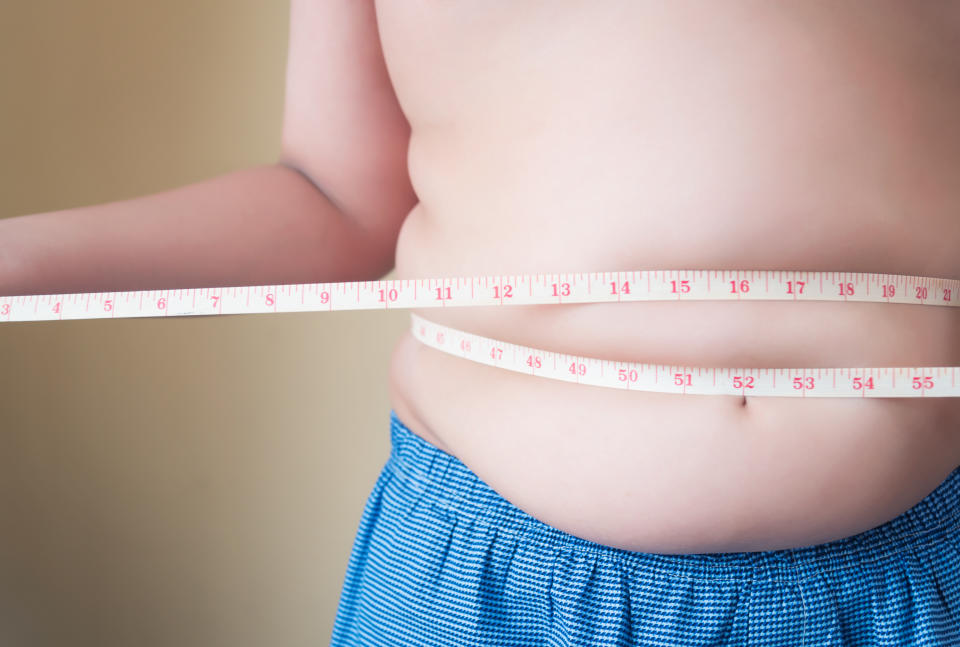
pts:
pixel 524 289
pixel 890 382
pixel 536 289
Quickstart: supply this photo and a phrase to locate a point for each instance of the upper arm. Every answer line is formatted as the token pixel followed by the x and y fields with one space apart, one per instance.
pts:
pixel 342 124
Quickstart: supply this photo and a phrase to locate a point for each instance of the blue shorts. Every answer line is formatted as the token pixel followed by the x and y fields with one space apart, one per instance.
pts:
pixel 442 559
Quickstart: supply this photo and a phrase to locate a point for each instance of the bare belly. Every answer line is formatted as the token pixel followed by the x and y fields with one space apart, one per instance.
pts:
pixel 677 474
pixel 687 473
pixel 645 154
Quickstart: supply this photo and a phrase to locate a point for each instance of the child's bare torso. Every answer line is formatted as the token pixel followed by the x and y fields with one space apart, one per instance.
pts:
pixel 555 135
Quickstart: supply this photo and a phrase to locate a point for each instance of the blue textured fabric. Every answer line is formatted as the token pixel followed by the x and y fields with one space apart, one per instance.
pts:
pixel 442 559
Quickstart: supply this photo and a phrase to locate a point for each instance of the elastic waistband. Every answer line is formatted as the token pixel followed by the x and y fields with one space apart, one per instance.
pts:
pixel 446 481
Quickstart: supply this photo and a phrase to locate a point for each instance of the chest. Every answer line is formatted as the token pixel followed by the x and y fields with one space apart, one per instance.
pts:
pixel 446 56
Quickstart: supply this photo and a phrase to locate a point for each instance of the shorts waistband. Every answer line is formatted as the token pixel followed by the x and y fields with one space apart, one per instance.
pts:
pixel 446 481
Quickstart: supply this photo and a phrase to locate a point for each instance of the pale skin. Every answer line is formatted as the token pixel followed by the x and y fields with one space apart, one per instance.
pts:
pixel 453 139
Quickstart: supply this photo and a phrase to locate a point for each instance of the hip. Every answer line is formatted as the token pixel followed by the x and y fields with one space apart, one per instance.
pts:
pixel 442 559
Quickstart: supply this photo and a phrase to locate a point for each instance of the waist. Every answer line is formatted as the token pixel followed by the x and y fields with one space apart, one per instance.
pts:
pixel 697 333
pixel 708 333
pixel 634 466
pixel 662 472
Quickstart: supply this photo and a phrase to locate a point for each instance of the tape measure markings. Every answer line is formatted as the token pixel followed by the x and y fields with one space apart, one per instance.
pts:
pixel 596 287
pixel 928 381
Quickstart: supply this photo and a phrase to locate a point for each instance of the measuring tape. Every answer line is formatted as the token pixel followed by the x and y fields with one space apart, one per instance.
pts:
pixel 930 381
pixel 538 289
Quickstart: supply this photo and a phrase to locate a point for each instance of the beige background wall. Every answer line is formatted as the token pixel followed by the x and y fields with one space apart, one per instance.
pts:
pixel 170 482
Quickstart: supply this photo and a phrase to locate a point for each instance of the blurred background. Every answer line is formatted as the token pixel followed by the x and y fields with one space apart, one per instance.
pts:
pixel 192 481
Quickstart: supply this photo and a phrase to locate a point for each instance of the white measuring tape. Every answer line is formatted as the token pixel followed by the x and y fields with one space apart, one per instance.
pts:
pixel 536 289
